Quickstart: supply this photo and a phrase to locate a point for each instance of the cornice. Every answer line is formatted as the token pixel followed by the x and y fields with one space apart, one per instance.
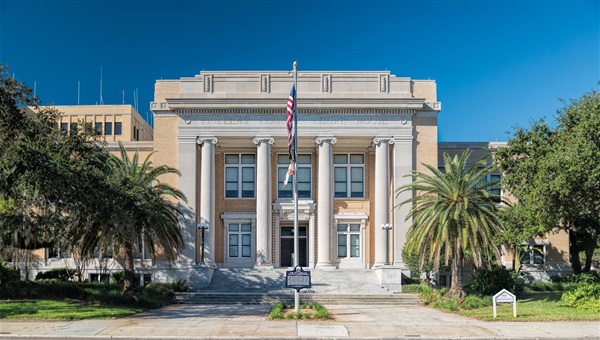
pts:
pixel 304 103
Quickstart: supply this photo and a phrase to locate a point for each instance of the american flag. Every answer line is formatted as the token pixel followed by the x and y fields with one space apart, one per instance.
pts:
pixel 291 111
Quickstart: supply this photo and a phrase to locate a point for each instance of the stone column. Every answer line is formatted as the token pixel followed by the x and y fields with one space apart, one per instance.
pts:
pixel 188 165
pixel 382 196
pixel 263 199
pixel 325 201
pixel 207 195
pixel 403 165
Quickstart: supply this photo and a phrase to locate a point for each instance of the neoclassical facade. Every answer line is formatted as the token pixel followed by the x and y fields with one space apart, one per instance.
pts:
pixel 359 135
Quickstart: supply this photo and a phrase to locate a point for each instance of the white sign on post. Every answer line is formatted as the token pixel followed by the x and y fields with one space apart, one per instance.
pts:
pixel 504 296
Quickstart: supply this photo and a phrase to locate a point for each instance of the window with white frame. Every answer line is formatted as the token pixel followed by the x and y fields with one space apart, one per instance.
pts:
pixel 348 235
pixel 349 175
pixel 239 175
pixel 534 254
pixel 304 172
pixel 58 252
pixel 142 250
pixel 240 239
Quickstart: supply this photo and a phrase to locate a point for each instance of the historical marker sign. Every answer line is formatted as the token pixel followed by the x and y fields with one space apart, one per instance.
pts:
pixel 297 278
pixel 504 296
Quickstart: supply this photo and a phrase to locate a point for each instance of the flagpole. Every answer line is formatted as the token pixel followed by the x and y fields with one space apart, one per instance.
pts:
pixel 295 179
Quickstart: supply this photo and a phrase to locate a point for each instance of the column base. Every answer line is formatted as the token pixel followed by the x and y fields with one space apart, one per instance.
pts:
pixel 390 277
pixel 325 266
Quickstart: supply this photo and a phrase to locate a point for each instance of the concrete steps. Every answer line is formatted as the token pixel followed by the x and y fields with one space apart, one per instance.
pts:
pixel 209 298
pixel 267 286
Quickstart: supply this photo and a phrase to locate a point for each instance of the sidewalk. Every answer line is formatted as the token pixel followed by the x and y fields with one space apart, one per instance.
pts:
pixel 250 321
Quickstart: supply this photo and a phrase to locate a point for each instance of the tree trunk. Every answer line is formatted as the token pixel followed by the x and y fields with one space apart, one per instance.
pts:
pixel 129 270
pixel 574 252
pixel 589 253
pixel 456 287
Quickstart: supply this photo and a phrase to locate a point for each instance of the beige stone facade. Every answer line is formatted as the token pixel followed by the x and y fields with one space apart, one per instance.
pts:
pixel 359 135
pixel 541 256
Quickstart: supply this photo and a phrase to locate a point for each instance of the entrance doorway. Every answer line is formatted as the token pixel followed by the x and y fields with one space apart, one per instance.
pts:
pixel 287 246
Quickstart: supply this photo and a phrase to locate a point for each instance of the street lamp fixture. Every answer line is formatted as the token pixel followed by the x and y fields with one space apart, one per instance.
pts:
pixel 387 227
pixel 203 225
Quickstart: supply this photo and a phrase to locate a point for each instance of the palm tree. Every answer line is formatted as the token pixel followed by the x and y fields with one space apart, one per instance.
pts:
pixel 453 212
pixel 140 209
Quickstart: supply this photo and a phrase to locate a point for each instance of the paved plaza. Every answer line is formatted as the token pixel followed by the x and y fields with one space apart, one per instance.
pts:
pixel 250 321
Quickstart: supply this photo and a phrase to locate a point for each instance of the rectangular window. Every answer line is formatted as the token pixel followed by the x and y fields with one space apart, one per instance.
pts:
pixel 118 128
pixel 58 252
pixel 99 128
pixel 73 128
pixel 240 175
pixel 497 189
pixel 535 254
pixel 64 128
pixel 304 170
pixel 240 239
pixel 349 177
pixel 348 240
pixel 108 128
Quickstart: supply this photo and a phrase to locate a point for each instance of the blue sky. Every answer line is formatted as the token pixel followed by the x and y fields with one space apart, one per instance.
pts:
pixel 497 63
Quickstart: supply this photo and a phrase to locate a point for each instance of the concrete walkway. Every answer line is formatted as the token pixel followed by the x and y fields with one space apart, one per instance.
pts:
pixel 250 321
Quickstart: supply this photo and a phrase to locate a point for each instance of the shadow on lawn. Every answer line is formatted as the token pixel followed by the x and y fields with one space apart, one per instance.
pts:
pixel 541 296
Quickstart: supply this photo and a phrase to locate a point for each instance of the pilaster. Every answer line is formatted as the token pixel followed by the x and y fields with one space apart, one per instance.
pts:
pixel 403 166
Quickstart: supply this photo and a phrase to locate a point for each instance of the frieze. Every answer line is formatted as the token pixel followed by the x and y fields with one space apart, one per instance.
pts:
pixel 268 122
pixel 300 112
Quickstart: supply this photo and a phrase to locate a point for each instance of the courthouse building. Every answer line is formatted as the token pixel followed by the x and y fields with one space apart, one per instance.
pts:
pixel 359 135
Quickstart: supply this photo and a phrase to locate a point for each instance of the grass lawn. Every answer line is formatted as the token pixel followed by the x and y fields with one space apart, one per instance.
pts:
pixel 61 310
pixel 534 307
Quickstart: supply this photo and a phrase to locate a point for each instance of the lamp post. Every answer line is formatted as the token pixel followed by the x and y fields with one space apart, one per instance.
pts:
pixel 387 227
pixel 203 225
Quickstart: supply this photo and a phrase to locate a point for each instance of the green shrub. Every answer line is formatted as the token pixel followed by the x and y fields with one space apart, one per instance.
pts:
pixel 63 274
pixel 17 290
pixel 446 304
pixel 156 295
pixel 8 274
pixel 412 288
pixel 180 286
pixel 584 296
pixel 277 311
pixel 429 294
pixel 321 312
pixel 117 277
pixel 588 277
pixel 411 280
pixel 489 281
pixel 474 301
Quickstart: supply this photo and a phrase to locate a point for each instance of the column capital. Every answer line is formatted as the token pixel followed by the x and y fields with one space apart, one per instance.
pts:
pixel 320 140
pixel 201 140
pixel 403 139
pixel 258 140
pixel 383 140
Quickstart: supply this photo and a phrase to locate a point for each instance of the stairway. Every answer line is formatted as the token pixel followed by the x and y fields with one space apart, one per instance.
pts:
pixel 266 286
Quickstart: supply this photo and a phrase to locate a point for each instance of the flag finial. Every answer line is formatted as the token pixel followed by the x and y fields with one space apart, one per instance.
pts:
pixel 295 64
